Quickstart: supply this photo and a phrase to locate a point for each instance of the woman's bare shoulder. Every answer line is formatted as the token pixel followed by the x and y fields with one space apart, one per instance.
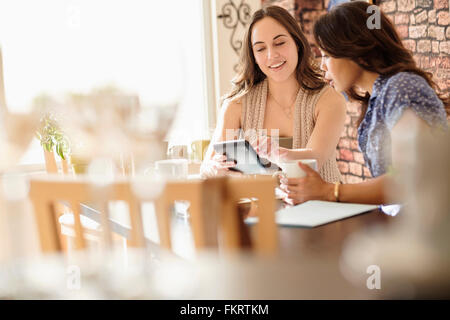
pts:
pixel 232 106
pixel 330 98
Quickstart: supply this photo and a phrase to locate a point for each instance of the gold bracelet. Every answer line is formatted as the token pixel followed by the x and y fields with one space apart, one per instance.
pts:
pixel 336 191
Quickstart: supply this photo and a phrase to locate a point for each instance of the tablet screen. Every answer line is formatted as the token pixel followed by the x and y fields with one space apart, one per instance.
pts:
pixel 246 159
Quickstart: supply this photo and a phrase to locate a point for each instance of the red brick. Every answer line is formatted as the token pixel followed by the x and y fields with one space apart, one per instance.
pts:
pixel 441 4
pixel 355 169
pixel 424 46
pixel 418 31
pixel 402 31
pixel 344 143
pixel 346 154
pixel 433 61
pixel 366 172
pixel 355 119
pixel 388 6
pixel 405 5
pixel 343 167
pixel 412 19
pixel 401 18
pixel 422 61
pixel 352 179
pixel 348 119
pixel 353 107
pixel 443 18
pixel 410 45
pixel 437 33
pixel 432 16
pixel 421 17
pixel 447 33
pixel 442 62
pixel 424 3
pixel 441 75
pixel 345 132
pixel 354 145
pixel 359 158
pixel 444 47
pixel 435 47
pixel 351 131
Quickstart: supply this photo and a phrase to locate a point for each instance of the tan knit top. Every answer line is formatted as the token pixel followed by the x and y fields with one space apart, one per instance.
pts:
pixel 253 109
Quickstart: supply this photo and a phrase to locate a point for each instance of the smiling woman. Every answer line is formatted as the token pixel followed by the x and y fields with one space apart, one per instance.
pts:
pixel 278 90
pixel 400 102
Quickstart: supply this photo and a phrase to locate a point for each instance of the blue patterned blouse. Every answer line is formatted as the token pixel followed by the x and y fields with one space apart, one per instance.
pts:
pixel 390 96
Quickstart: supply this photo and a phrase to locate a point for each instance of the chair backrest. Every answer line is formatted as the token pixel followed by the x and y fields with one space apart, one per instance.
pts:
pixel 205 196
pixel 263 189
pixel 47 191
pixel 213 206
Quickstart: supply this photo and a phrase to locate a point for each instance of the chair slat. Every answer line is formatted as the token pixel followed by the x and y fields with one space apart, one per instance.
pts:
pixel 80 242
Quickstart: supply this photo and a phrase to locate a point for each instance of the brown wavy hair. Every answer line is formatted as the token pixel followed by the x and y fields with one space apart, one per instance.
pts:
pixel 343 33
pixel 249 74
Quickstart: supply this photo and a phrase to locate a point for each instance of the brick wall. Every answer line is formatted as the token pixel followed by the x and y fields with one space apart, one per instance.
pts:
pixel 424 26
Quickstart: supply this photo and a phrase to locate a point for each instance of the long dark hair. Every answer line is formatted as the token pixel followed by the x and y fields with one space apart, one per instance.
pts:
pixel 343 33
pixel 249 74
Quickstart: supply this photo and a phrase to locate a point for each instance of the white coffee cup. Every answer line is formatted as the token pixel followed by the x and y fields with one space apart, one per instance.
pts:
pixel 172 168
pixel 291 168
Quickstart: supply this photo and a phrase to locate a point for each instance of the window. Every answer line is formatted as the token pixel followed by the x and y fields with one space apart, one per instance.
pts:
pixel 139 46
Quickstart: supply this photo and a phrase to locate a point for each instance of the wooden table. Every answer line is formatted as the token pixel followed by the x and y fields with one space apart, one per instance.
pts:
pixel 293 241
pixel 327 239
pixel 308 258
pixel 308 267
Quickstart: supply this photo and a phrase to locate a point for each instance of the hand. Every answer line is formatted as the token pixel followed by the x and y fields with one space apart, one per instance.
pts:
pixel 269 149
pixel 216 166
pixel 311 187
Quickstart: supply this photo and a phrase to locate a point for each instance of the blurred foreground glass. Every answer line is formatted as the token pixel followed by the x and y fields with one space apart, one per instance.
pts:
pixel 16 132
pixel 128 128
pixel 413 254
pixel 108 125
pixel 174 169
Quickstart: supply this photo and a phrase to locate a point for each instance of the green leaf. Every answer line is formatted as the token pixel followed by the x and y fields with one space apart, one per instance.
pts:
pixel 52 137
pixel 59 151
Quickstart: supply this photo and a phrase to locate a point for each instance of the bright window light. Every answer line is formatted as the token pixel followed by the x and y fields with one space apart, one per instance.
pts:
pixel 153 49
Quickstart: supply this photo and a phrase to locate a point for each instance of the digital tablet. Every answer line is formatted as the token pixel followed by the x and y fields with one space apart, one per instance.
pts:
pixel 246 159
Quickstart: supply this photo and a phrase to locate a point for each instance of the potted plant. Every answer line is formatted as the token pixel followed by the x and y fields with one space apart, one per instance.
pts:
pixel 53 139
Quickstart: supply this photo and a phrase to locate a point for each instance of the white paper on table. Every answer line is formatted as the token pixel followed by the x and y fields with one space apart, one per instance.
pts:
pixel 315 213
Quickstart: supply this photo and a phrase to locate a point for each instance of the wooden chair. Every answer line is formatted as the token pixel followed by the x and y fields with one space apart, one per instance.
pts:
pixel 206 199
pixel 262 188
pixel 46 192
pixel 204 196
pixel 91 228
pixel 214 209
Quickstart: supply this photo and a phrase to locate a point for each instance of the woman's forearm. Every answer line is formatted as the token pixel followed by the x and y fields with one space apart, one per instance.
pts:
pixel 296 154
pixel 372 191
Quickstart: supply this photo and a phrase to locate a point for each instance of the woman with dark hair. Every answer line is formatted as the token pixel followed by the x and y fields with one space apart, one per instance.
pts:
pixel 279 89
pixel 372 66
